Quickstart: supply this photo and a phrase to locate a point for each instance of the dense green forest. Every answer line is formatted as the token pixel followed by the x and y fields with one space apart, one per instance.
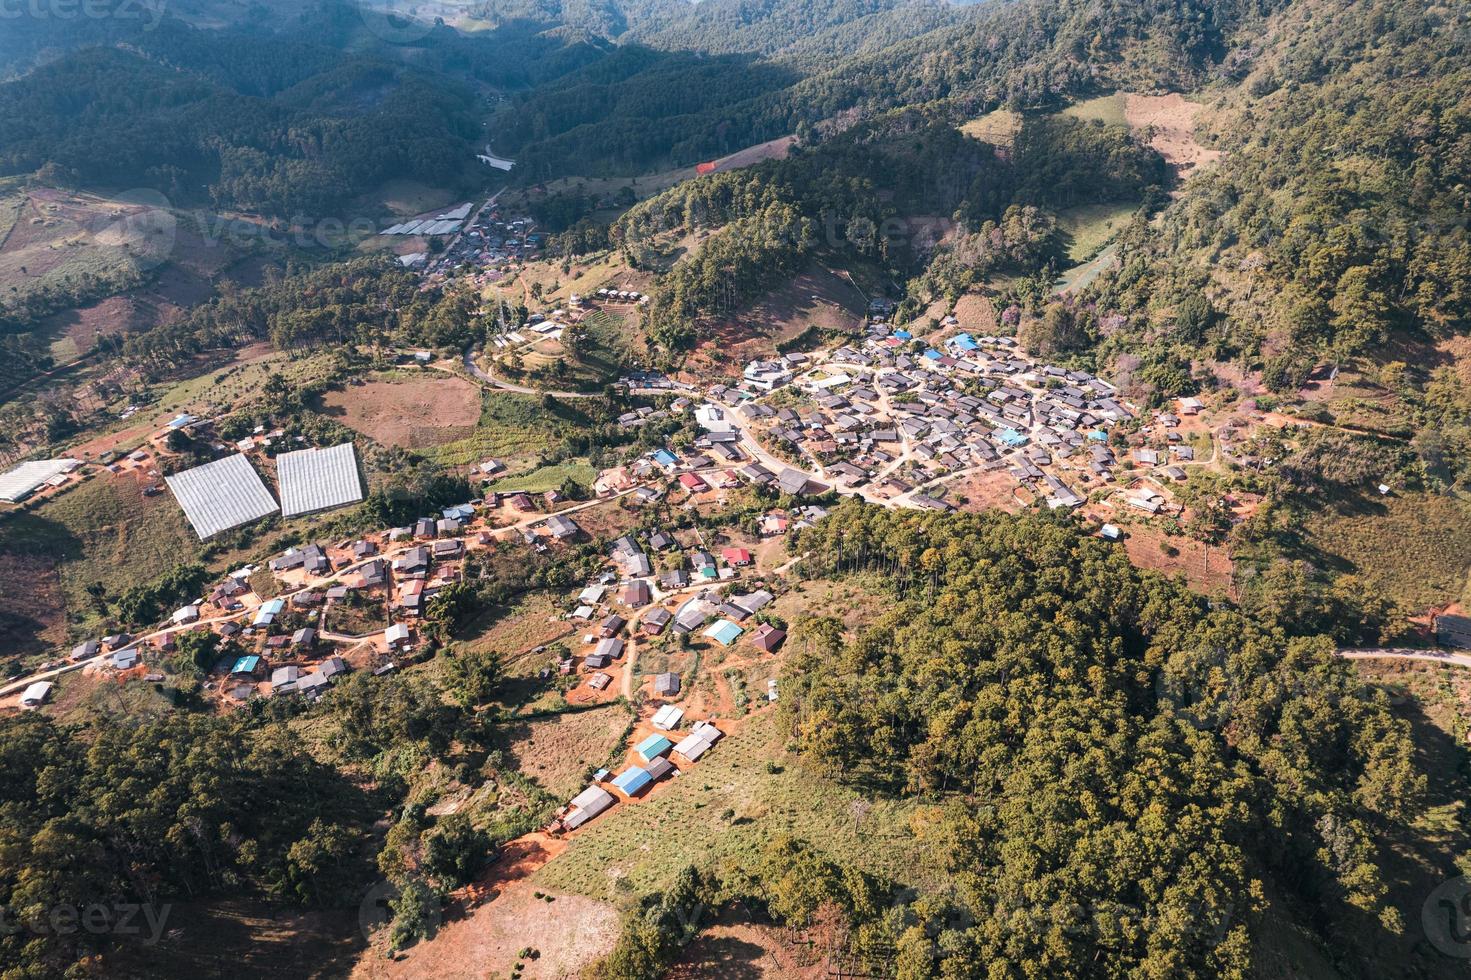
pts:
pixel 1109 747
pixel 858 189
pixel 1028 54
pixel 116 119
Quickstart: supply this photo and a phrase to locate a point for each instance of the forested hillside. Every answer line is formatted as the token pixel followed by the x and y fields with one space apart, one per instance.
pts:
pixel 1028 54
pixel 305 143
pixel 1110 750
pixel 857 191
pixel 1338 214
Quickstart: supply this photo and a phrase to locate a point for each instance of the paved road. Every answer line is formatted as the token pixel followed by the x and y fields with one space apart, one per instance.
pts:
pixel 490 379
pixel 1403 653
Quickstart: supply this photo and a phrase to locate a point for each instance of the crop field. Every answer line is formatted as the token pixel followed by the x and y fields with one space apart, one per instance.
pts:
pixel 559 751
pixel 746 792
pixel 413 413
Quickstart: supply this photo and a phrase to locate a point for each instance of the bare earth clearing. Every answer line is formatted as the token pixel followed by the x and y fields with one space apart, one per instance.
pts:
pixel 410 414
pixel 1173 119
pixel 565 934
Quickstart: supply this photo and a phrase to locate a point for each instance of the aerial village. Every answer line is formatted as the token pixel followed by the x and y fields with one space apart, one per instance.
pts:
pixel 896 420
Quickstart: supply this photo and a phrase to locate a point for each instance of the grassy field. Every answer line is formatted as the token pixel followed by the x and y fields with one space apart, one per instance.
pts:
pixel 559 751
pixel 545 478
pixel 1416 548
pixel 512 427
pixel 747 791
pixel 1107 109
pixel 997 128
pixel 103 531
pixel 1089 227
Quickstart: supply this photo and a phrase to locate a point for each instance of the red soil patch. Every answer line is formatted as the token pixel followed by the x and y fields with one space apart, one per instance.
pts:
pixel 411 414
pixel 1206 569
pixel 497 918
pixel 996 490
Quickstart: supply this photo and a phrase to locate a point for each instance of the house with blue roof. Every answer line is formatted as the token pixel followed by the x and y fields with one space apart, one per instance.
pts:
pixel 633 780
pixel 724 632
pixel 933 354
pixel 666 459
pixel 268 612
pixel 964 342
pixel 903 335
pixel 1013 438
pixel 246 666
pixel 653 747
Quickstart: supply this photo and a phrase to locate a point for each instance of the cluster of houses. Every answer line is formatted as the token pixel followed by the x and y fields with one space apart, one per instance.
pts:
pixel 658 756
pixel 610 604
pixel 892 405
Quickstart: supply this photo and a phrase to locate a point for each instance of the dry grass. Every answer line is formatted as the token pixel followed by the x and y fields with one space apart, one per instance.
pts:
pixel 412 413
pixel 558 751
pixel 102 531
pixel 1415 548
pixel 744 793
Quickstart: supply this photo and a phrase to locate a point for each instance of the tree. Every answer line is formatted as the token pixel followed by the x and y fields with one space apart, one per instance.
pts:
pixel 415 913
pixel 455 851
pixel 473 675
pixel 1058 330
pixel 1193 318
pixel 318 865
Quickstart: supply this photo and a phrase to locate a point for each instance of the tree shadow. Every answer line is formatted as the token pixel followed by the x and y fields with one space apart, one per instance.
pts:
pixel 721 956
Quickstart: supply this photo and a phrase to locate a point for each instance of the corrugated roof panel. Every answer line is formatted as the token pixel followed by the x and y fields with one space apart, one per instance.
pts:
pixel 220 495
pixel 318 479
pixel 22 481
